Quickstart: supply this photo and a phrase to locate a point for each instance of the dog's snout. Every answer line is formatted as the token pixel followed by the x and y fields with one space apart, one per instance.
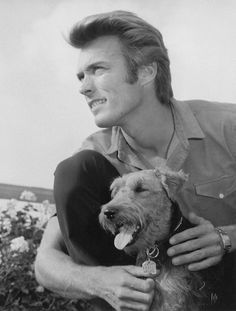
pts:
pixel 110 214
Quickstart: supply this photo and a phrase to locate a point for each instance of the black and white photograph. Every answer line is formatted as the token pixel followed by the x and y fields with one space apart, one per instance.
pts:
pixel 118 155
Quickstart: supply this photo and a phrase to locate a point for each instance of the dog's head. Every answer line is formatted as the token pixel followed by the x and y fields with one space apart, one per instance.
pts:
pixel 140 210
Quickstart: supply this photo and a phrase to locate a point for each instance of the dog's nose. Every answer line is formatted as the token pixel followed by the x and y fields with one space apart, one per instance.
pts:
pixel 110 214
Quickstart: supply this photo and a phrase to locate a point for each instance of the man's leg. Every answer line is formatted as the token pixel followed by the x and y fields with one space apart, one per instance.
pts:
pixel 81 186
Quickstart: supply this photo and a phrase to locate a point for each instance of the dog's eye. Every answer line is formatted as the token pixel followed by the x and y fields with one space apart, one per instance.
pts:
pixel 139 188
pixel 114 192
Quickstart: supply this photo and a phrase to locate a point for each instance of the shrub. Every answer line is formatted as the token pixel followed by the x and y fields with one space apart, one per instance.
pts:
pixel 21 228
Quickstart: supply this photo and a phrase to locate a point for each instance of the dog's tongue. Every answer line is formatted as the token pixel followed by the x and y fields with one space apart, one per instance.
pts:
pixel 123 238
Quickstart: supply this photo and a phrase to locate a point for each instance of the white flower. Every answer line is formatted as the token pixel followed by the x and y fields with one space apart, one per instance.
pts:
pixel 6 225
pixel 11 203
pixel 40 222
pixel 19 244
pixel 43 218
pixel 11 208
pixel 28 196
pixel 39 289
pixel 12 213
pixel 42 213
pixel 46 204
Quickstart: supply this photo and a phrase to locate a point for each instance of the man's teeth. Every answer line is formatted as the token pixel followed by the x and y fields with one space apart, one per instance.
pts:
pixel 97 102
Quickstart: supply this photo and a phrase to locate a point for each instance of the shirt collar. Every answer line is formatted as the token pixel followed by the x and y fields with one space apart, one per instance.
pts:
pixel 116 137
pixel 124 151
pixel 183 118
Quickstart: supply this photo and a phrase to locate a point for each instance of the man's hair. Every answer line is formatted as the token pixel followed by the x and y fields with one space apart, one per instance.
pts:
pixel 141 44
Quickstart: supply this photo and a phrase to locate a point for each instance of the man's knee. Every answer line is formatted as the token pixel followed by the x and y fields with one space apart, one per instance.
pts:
pixel 85 160
pixel 86 168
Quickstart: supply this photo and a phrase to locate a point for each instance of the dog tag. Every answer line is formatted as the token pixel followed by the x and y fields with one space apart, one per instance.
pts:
pixel 149 266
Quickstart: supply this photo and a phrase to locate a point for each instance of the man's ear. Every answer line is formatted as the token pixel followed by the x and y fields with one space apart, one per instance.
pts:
pixel 147 73
pixel 171 181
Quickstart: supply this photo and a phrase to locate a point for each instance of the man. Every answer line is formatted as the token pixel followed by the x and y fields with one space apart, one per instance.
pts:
pixel 125 77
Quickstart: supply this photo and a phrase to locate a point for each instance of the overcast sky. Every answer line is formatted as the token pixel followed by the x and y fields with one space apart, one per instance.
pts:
pixel 43 119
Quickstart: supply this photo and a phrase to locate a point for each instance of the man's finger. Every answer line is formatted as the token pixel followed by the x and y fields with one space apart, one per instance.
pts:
pixel 134 306
pixel 204 264
pixel 144 286
pixel 198 255
pixel 197 220
pixel 139 272
pixel 137 296
pixel 191 233
pixel 194 244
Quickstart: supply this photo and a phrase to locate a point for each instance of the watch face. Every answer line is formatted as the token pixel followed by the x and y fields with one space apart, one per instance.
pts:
pixel 227 243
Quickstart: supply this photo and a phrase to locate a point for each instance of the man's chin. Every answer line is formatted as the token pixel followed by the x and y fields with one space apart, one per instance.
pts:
pixel 103 123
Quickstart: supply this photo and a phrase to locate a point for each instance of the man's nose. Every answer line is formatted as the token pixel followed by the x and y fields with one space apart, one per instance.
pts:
pixel 87 86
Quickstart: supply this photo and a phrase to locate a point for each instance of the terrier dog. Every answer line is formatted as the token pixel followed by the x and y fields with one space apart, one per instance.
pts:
pixel 143 215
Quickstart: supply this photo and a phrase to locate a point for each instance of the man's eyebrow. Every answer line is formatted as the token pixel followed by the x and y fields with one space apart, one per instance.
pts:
pixel 91 67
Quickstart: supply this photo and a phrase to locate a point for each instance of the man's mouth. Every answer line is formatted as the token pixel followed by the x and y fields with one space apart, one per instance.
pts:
pixel 96 102
pixel 126 235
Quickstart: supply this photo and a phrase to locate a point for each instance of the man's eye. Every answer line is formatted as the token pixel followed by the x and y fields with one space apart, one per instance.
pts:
pixel 98 69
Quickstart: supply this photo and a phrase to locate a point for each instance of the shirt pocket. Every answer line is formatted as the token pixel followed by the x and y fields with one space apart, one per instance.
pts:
pixel 219 188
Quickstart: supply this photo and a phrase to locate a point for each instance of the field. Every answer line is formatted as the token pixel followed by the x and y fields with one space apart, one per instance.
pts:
pixel 14 191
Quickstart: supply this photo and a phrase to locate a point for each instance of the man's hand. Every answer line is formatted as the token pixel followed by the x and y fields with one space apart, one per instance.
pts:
pixel 200 247
pixel 126 287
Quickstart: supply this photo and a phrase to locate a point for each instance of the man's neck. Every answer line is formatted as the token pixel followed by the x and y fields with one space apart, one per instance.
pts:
pixel 152 134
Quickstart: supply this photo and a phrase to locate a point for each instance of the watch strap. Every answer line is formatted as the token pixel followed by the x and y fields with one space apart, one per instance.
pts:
pixel 225 239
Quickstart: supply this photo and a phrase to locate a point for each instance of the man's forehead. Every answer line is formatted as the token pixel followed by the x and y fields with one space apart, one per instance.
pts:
pixel 104 49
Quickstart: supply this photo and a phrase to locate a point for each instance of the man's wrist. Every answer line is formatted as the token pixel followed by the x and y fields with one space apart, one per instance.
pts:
pixel 225 240
pixel 96 284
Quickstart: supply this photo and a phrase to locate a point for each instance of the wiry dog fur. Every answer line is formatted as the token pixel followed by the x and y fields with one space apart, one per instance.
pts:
pixel 141 204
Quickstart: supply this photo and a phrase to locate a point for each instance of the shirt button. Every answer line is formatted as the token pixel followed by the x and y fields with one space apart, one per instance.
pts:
pixel 221 196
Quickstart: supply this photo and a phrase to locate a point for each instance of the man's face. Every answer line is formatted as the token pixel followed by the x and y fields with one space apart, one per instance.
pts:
pixel 102 73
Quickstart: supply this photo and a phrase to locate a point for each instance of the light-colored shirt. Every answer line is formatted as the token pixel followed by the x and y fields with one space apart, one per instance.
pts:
pixel 203 146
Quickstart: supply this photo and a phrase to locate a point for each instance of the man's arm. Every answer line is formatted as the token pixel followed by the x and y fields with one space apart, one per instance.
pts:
pixel 54 269
pixel 200 247
pixel 123 287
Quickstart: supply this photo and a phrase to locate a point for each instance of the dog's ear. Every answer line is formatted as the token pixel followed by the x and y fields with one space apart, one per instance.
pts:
pixel 171 181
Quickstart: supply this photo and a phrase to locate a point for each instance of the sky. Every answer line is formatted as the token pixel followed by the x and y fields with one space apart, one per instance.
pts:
pixel 44 119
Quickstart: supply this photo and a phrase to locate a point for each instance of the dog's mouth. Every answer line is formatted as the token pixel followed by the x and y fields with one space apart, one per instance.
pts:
pixel 126 235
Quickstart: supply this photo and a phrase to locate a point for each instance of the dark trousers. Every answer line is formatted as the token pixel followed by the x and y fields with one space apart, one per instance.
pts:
pixel 81 186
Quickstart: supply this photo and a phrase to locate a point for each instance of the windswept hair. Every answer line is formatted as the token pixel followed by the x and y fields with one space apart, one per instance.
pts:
pixel 141 44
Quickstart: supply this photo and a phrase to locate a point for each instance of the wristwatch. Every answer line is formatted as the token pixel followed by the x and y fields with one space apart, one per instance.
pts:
pixel 225 239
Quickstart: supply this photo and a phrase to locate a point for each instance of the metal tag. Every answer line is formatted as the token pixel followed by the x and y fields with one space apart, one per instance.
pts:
pixel 149 267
